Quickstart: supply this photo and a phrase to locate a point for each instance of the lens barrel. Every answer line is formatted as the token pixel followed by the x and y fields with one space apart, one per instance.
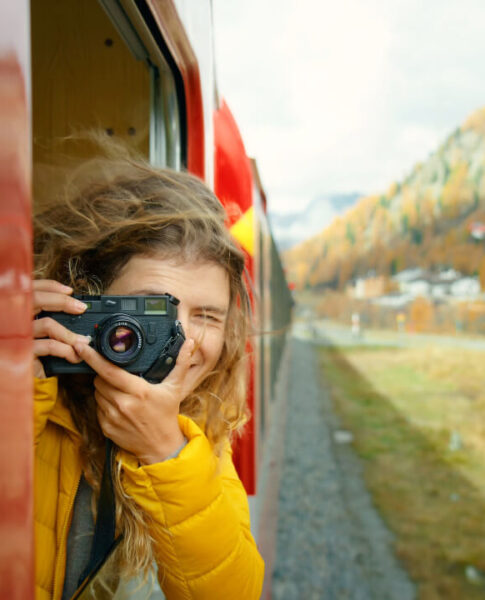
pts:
pixel 120 339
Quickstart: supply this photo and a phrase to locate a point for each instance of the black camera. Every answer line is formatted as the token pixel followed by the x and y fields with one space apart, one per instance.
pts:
pixel 141 334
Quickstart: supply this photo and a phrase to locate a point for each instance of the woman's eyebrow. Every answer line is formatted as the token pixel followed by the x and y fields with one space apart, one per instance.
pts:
pixel 148 292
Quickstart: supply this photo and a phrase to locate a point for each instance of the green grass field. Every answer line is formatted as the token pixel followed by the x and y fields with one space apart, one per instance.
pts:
pixel 418 418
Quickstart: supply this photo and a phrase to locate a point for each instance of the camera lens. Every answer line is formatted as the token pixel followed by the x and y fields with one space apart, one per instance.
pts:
pixel 122 339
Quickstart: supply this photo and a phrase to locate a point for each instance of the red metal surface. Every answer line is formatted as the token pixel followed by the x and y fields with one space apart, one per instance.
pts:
pixel 233 181
pixel 244 448
pixel 233 185
pixel 16 528
pixel 171 27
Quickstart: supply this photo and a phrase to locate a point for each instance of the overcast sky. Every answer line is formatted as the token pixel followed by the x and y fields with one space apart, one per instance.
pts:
pixel 347 95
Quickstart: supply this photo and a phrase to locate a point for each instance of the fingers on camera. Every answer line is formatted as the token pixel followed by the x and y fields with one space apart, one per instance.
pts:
pixel 55 301
pixel 183 359
pixel 50 328
pixel 50 347
pixel 188 349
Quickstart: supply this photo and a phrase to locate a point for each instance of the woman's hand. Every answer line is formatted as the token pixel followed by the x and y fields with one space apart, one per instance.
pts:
pixel 138 416
pixel 50 337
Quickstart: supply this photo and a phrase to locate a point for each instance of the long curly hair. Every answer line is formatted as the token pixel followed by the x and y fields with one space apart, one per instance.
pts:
pixel 107 212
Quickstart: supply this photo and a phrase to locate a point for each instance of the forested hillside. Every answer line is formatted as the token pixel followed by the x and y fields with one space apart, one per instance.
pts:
pixel 424 220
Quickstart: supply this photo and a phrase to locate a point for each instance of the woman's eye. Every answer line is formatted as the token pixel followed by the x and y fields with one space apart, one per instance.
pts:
pixel 208 317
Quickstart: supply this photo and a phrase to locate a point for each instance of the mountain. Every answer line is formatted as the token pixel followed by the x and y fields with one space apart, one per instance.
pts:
pixel 430 219
pixel 292 228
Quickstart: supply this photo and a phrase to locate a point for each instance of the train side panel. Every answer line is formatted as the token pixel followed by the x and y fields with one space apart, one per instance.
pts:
pixel 16 510
pixel 142 72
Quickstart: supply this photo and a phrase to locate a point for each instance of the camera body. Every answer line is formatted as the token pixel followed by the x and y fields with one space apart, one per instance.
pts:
pixel 140 334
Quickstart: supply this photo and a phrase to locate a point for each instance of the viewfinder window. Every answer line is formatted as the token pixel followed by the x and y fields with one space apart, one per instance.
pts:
pixel 156 306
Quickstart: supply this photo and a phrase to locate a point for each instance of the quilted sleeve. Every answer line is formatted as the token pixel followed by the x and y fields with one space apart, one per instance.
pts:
pixel 45 396
pixel 199 509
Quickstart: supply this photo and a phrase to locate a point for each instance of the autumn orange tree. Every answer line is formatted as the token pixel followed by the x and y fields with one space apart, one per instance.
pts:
pixel 423 220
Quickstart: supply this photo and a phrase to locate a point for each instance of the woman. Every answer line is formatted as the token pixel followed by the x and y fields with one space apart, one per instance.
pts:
pixel 135 230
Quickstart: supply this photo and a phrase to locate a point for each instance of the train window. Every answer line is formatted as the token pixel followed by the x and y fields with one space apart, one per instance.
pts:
pixel 96 66
pixel 137 27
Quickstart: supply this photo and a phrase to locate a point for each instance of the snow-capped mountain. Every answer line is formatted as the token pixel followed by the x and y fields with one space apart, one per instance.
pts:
pixel 292 228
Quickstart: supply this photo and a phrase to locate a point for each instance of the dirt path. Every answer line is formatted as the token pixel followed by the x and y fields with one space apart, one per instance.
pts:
pixel 331 542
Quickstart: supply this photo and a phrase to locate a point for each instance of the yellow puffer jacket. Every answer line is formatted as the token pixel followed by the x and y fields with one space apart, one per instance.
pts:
pixel 198 506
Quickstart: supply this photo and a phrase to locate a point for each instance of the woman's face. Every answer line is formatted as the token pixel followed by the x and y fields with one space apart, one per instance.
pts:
pixel 203 291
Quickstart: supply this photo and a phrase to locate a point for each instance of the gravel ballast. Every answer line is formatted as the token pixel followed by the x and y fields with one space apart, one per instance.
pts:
pixel 331 543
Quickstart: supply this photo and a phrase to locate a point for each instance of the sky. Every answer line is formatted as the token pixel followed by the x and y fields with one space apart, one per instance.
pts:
pixel 346 96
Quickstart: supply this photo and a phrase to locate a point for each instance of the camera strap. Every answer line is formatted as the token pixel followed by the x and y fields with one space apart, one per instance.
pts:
pixel 104 541
pixel 168 356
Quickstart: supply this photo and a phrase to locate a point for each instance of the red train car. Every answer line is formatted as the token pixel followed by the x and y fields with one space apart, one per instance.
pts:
pixel 142 71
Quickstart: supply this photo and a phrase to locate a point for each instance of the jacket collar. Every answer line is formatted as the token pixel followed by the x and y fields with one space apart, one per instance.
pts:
pixel 60 415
